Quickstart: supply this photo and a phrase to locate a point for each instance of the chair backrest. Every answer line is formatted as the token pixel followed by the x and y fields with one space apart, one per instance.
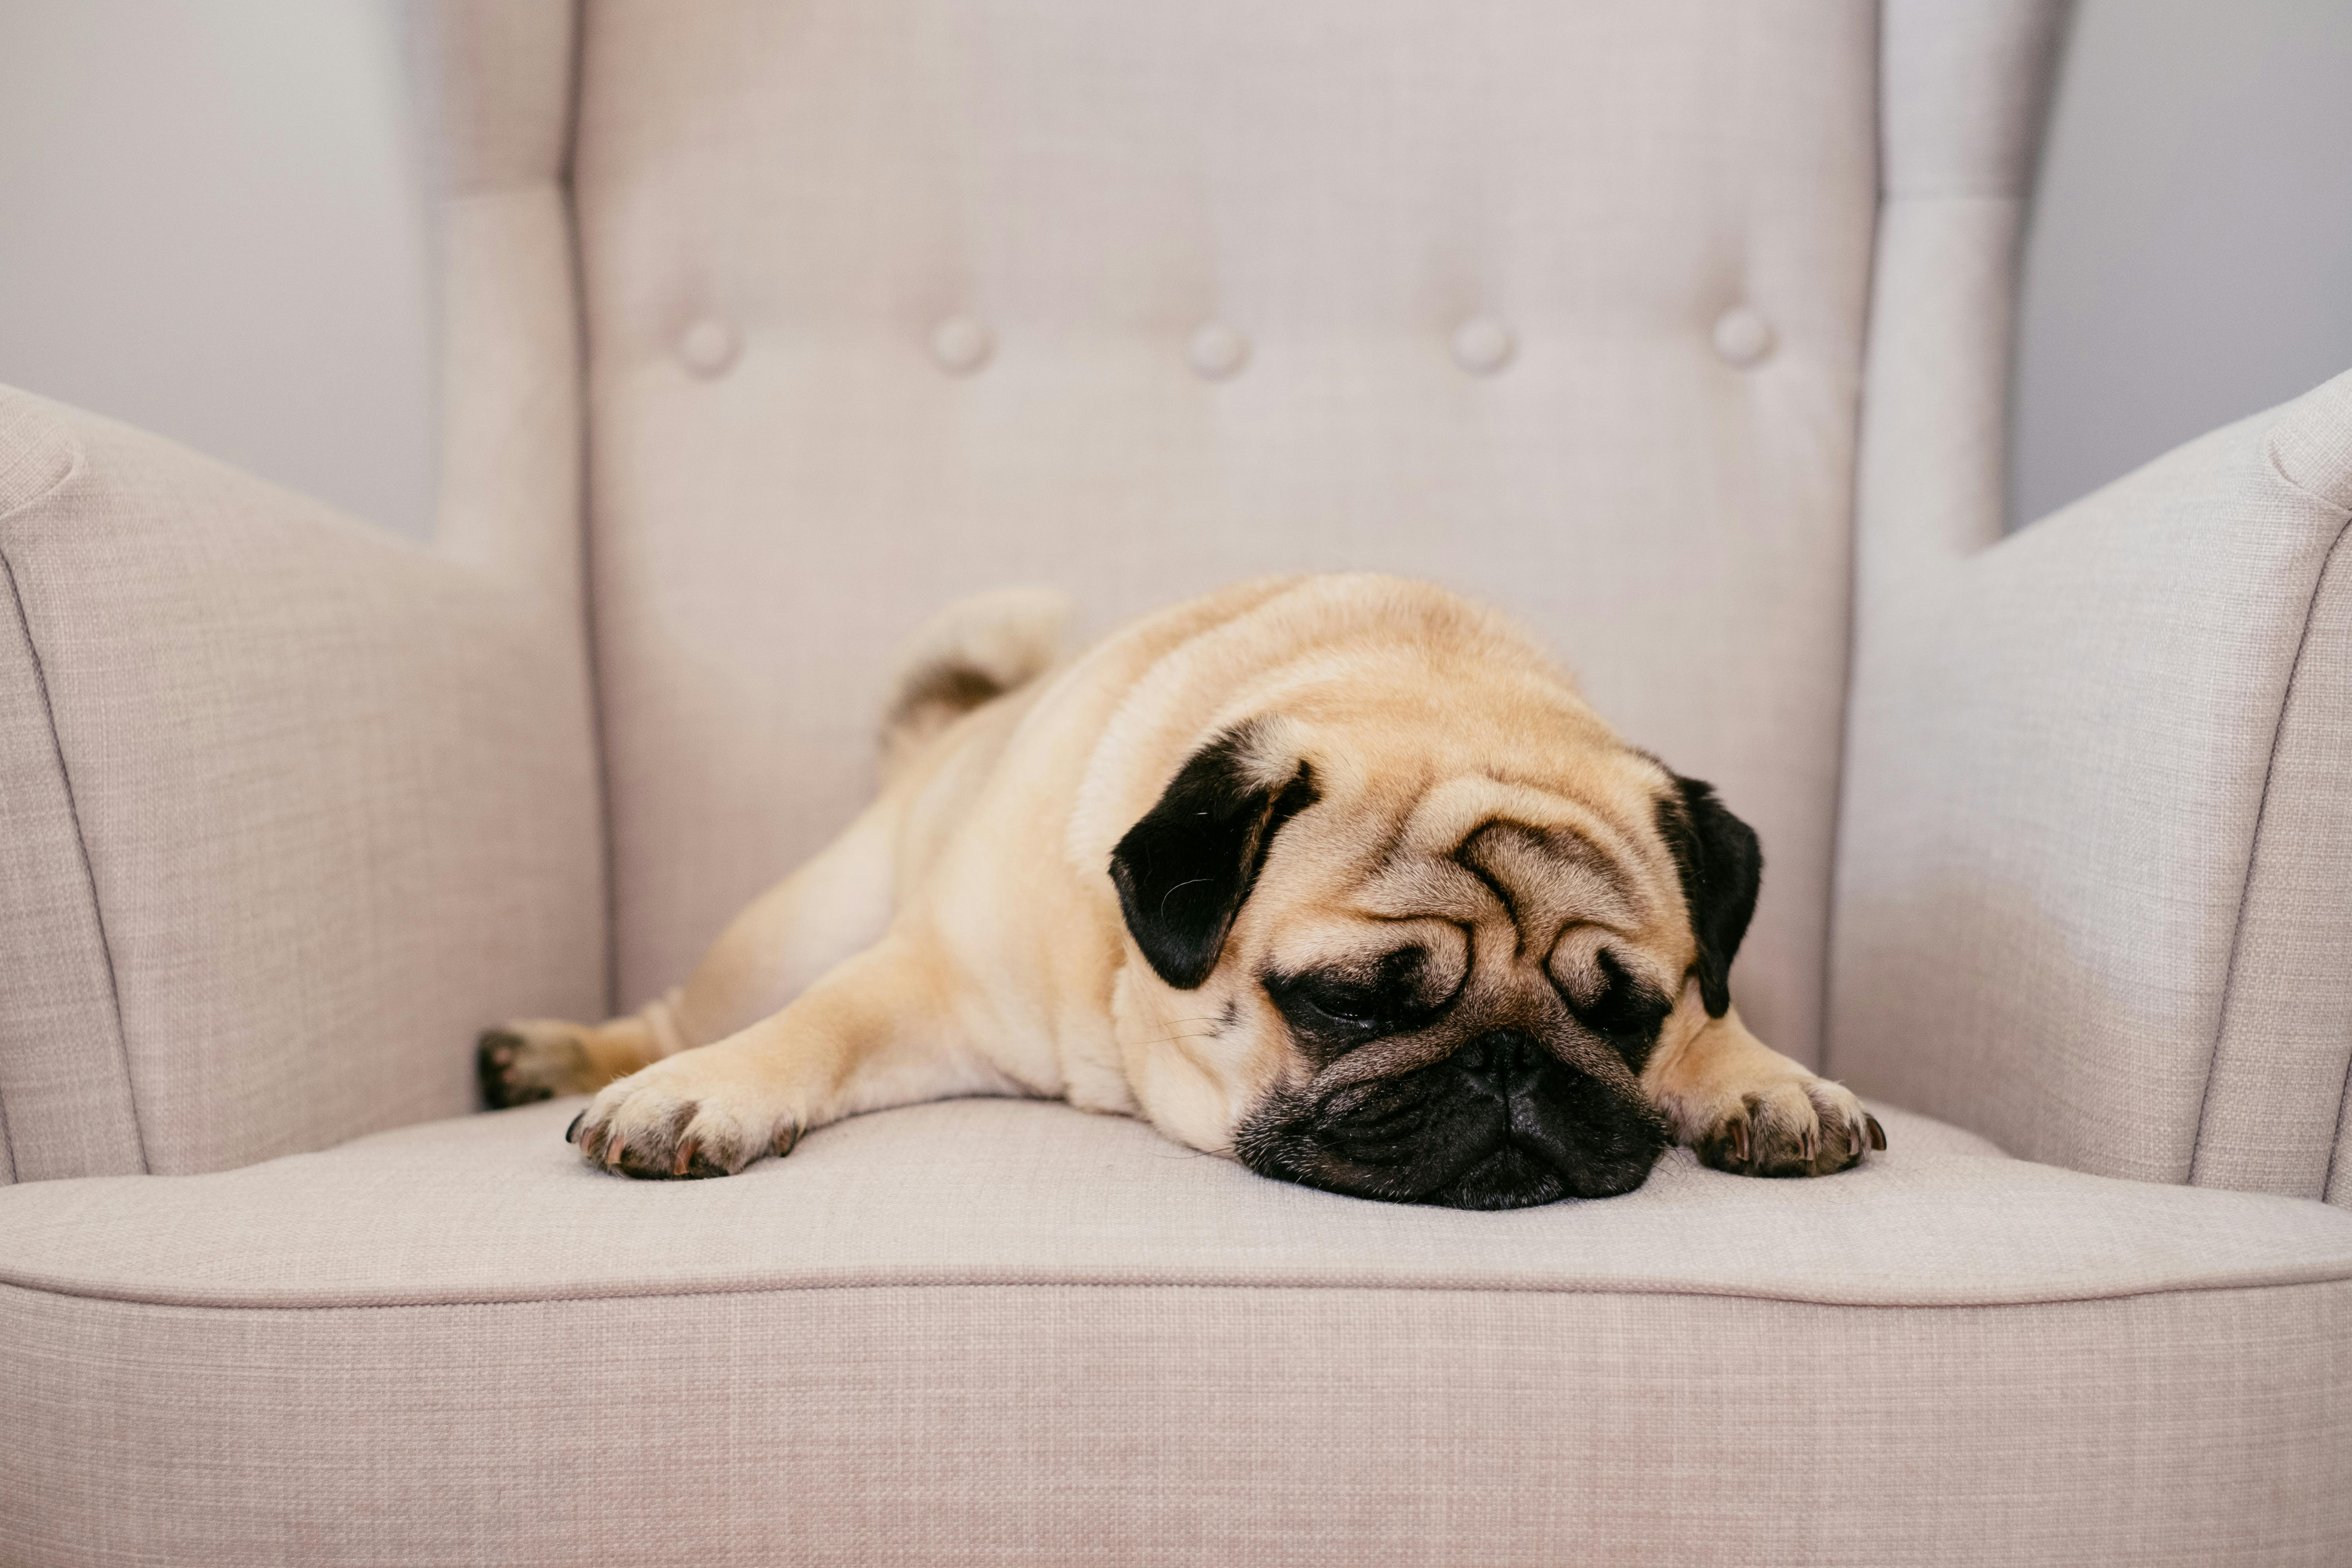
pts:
pixel 884 301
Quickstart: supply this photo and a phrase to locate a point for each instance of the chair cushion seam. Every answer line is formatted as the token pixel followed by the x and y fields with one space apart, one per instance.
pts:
pixel 2286 1277
pixel 77 463
pixel 2262 813
pixel 8 1146
pixel 2335 1150
pixel 81 845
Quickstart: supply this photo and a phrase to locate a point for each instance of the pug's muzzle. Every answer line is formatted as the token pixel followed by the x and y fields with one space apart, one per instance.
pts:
pixel 1501 1123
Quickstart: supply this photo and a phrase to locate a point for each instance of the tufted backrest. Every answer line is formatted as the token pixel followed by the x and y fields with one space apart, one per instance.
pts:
pixel 885 301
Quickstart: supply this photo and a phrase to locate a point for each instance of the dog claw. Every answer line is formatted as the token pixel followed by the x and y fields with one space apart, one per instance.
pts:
pixel 1877 1133
pixel 571 1133
pixel 1739 1140
pixel 684 1158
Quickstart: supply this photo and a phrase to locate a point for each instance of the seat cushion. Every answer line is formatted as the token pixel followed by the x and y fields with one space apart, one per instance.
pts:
pixel 1009 1331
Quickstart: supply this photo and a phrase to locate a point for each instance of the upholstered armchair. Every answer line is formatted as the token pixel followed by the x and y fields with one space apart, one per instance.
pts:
pixel 1678 327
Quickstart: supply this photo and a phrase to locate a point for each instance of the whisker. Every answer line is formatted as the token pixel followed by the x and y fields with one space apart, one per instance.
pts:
pixel 1171 1039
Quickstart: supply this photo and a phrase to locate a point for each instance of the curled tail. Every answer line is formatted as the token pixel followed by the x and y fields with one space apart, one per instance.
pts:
pixel 970 653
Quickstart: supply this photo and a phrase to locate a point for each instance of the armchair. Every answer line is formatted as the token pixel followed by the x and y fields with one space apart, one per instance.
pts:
pixel 1680 329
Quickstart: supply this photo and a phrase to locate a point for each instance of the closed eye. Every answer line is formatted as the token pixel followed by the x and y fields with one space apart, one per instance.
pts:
pixel 1361 1002
pixel 1342 1004
pixel 1352 1006
pixel 1618 1003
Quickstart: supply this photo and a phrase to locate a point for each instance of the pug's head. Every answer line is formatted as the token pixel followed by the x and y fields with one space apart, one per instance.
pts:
pixel 1422 953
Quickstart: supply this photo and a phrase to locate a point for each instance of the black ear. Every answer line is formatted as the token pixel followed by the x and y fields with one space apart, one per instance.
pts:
pixel 1722 865
pixel 1185 871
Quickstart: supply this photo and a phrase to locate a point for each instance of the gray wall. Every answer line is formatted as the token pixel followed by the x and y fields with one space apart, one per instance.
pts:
pixel 209 227
pixel 2191 256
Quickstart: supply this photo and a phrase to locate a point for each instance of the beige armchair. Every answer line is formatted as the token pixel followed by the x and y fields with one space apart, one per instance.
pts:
pixel 1678 327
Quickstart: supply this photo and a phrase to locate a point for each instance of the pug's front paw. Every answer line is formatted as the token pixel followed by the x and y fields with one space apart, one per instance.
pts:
pixel 1801 1126
pixel 685 1117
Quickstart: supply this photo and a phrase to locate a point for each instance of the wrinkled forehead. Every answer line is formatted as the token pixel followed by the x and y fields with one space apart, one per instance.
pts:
pixel 1546 858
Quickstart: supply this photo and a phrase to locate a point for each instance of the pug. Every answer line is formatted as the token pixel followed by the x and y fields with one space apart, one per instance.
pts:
pixel 1335 876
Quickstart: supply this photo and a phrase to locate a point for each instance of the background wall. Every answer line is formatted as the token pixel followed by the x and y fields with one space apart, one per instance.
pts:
pixel 209 225
pixel 2190 259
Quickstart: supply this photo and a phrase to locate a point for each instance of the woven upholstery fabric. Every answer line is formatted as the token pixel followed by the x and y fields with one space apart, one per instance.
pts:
pixel 1964 86
pixel 497 77
pixel 779 207
pixel 1009 1331
pixel 2276 1098
pixel 293 809
pixel 62 1074
pixel 2093 805
pixel 286 810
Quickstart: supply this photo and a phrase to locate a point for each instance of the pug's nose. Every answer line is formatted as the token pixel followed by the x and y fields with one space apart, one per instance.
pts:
pixel 1502 1061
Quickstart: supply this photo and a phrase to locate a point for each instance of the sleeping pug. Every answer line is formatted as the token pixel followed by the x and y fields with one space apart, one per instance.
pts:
pixel 1336 876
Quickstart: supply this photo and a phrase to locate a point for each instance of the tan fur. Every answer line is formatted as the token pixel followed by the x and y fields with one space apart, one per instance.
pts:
pixel 964 936
pixel 972 652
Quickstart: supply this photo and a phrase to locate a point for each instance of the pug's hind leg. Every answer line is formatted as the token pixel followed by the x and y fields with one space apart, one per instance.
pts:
pixel 873 1032
pixel 528 1060
pixel 792 934
pixel 1743 1106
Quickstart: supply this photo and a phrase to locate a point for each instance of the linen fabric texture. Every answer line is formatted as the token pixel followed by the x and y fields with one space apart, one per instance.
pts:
pixel 1007 1331
pixel 292 806
pixel 768 329
pixel 2094 900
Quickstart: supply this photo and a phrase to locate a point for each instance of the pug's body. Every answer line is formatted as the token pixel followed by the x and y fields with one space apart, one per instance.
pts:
pixel 1336 876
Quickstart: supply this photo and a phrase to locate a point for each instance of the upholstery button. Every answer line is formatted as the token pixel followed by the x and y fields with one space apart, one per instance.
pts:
pixel 961 345
pixel 709 346
pixel 1482 345
pixel 1217 351
pixel 1742 337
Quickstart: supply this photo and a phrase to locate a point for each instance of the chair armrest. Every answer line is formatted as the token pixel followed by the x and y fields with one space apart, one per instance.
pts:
pixel 2095 882
pixel 289 808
